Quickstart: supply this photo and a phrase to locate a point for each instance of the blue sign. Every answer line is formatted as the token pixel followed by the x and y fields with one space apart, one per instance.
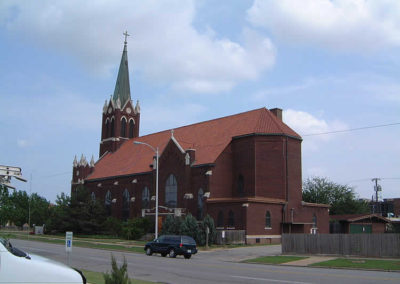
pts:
pixel 68 241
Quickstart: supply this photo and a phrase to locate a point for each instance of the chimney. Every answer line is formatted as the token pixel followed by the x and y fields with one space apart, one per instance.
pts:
pixel 277 112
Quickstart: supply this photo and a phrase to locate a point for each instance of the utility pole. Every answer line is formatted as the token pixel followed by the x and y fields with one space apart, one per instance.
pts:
pixel 377 188
pixel 29 202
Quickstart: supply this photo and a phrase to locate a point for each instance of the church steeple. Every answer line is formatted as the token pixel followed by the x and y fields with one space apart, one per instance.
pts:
pixel 121 118
pixel 122 89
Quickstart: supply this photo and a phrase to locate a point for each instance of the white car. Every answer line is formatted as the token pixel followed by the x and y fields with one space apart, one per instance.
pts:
pixel 18 267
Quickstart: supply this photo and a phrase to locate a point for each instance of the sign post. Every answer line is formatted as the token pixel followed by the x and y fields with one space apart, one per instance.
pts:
pixel 68 244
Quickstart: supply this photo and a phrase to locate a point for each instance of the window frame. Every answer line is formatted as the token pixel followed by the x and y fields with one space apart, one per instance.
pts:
pixel 147 199
pixel 171 192
pixel 126 204
pixel 123 127
pixel 268 220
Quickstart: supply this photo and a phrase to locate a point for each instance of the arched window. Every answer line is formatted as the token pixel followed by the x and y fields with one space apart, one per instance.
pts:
pixel 200 201
pixel 231 219
pixel 171 190
pixel 112 134
pixel 131 126
pixel 314 220
pixel 125 205
pixel 220 219
pixel 106 133
pixel 93 197
pixel 123 127
pixel 107 203
pixel 145 198
pixel 268 219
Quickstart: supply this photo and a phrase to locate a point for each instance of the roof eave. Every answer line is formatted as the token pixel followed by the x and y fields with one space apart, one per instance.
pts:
pixel 267 134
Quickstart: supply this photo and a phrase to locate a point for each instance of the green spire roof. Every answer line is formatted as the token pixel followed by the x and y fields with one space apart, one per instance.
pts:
pixel 122 89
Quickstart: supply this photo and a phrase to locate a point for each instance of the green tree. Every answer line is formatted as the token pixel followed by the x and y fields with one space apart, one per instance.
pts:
pixel 59 219
pixel 342 198
pixel 40 211
pixel 133 229
pixel 20 205
pixel 208 221
pixel 14 207
pixel 5 205
pixel 119 275
pixel 79 214
pixel 113 226
pixel 171 225
pixel 189 227
pixel 87 216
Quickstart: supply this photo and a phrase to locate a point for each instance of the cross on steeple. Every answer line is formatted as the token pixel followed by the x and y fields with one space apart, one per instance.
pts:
pixel 126 35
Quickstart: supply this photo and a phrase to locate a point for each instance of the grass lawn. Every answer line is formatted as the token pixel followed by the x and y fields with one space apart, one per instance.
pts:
pixel 379 264
pixel 97 278
pixel 278 259
pixel 109 244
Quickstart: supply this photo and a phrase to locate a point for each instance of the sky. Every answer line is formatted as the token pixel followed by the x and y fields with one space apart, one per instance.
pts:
pixel 333 66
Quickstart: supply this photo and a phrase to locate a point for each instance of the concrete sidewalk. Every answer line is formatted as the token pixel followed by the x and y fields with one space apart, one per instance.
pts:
pixel 309 260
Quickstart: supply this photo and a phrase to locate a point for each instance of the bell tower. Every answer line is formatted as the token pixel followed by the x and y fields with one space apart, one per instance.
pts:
pixel 121 117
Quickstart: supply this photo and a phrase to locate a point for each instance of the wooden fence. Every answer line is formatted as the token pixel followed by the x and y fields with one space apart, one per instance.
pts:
pixel 369 245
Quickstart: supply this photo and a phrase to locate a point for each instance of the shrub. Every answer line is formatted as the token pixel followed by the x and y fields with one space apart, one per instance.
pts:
pixel 201 236
pixel 171 225
pixel 135 228
pixel 113 226
pixel 119 275
pixel 189 227
pixel 208 221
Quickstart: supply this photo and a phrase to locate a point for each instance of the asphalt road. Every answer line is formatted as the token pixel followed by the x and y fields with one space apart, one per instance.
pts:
pixel 206 267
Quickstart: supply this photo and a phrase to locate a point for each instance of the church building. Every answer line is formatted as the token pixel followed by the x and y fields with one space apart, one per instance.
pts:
pixel 244 170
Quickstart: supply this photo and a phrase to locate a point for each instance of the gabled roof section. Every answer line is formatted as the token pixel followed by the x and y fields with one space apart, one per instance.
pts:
pixel 357 217
pixel 209 138
pixel 122 89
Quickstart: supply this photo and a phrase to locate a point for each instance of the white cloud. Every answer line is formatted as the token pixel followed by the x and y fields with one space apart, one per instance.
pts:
pixel 306 124
pixel 164 44
pixel 341 24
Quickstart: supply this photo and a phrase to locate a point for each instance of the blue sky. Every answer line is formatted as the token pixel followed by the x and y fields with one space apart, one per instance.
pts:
pixel 330 65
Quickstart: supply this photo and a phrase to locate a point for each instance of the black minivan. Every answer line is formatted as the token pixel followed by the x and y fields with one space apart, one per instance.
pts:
pixel 172 245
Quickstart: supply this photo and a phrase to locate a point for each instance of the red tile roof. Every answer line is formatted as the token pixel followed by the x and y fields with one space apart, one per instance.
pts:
pixel 209 138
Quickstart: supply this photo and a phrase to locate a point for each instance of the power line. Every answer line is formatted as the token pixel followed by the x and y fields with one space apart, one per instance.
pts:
pixel 369 179
pixel 352 129
pixel 57 174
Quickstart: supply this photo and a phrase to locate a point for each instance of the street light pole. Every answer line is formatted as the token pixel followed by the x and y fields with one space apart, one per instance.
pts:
pixel 156 228
pixel 156 151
